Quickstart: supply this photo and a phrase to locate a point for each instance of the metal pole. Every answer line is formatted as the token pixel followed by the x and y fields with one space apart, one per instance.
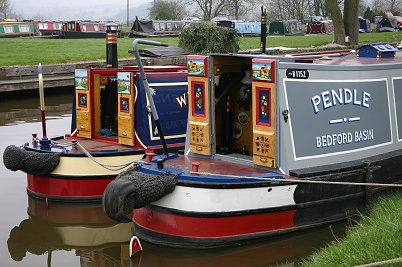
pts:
pixel 42 100
pixel 148 90
pixel 263 28
pixel 128 12
pixel 154 9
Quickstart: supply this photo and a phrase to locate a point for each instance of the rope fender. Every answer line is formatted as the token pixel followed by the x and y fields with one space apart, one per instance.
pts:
pixel 17 158
pixel 133 189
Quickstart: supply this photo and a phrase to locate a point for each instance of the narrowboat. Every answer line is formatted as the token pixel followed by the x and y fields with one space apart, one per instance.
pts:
pixel 156 28
pixel 111 128
pixel 84 29
pixel 50 28
pixel 274 145
pixel 12 29
pixel 320 27
pixel 82 228
pixel 246 28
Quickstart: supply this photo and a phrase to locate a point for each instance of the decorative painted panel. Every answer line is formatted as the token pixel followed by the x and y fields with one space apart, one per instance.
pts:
pixel 82 100
pixel 263 107
pixel 123 82
pixel 263 70
pixel 81 79
pixel 198 93
pixel 197 65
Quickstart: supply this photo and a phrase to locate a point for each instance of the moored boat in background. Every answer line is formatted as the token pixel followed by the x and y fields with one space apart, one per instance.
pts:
pixel 50 28
pixel 85 29
pixel 12 29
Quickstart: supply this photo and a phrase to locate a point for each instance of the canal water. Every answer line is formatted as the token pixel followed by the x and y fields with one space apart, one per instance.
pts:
pixel 35 234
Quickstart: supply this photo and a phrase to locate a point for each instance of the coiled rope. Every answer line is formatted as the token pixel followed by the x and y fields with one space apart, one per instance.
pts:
pixel 381 263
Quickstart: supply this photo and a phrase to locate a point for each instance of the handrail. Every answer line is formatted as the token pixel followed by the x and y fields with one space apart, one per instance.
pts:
pixel 148 91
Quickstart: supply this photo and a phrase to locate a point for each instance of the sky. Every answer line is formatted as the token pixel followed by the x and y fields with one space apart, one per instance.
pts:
pixel 80 9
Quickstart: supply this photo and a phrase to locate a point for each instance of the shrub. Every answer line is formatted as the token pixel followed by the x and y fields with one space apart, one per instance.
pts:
pixel 206 38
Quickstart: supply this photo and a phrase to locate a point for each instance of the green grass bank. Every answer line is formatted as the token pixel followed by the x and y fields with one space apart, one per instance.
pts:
pixel 375 237
pixel 32 51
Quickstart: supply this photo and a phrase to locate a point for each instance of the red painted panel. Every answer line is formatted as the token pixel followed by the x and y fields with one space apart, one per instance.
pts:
pixel 157 68
pixel 67 187
pixel 198 227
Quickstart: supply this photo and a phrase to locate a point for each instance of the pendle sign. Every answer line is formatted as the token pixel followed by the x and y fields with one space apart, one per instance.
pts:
pixel 337 116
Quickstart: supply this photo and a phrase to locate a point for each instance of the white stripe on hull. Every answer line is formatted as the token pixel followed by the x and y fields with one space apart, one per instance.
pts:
pixel 227 200
pixel 85 166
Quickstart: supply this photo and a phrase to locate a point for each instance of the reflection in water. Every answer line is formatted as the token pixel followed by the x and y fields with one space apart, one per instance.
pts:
pixel 99 241
pixel 281 251
pixel 27 110
pixel 85 228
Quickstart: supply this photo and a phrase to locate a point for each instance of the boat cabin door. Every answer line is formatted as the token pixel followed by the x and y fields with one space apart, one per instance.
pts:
pixel 264 109
pixel 199 117
pixel 125 109
pixel 83 103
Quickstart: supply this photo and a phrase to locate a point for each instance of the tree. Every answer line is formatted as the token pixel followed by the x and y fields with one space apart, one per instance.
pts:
pixel 167 10
pixel 211 8
pixel 5 9
pixel 287 9
pixel 348 25
pixel 369 14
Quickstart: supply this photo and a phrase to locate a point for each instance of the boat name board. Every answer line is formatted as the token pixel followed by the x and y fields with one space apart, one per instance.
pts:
pixel 342 116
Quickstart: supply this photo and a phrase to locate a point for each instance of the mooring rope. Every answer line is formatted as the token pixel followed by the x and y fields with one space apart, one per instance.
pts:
pixel 297 180
pixel 106 166
pixel 380 263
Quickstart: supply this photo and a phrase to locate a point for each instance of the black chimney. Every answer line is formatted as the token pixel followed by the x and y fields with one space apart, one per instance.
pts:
pixel 263 28
pixel 111 45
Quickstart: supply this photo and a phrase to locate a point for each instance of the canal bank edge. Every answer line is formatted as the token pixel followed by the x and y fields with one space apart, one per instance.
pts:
pixel 17 78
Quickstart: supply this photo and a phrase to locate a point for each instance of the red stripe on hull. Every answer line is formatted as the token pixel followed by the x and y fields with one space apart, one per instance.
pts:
pixel 65 187
pixel 218 227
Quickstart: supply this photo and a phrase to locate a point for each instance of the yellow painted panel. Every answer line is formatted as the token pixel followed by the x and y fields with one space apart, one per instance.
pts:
pixel 264 144
pixel 264 161
pixel 125 113
pixel 264 137
pixel 199 138
pixel 83 123
pixel 97 105
pixel 126 130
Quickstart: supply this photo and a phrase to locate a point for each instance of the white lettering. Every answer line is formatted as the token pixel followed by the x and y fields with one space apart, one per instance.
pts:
pixel 348 96
pixel 365 135
pixel 355 101
pixel 315 100
pixel 345 96
pixel 325 100
pixel 365 101
pixel 344 138
pixel 182 100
